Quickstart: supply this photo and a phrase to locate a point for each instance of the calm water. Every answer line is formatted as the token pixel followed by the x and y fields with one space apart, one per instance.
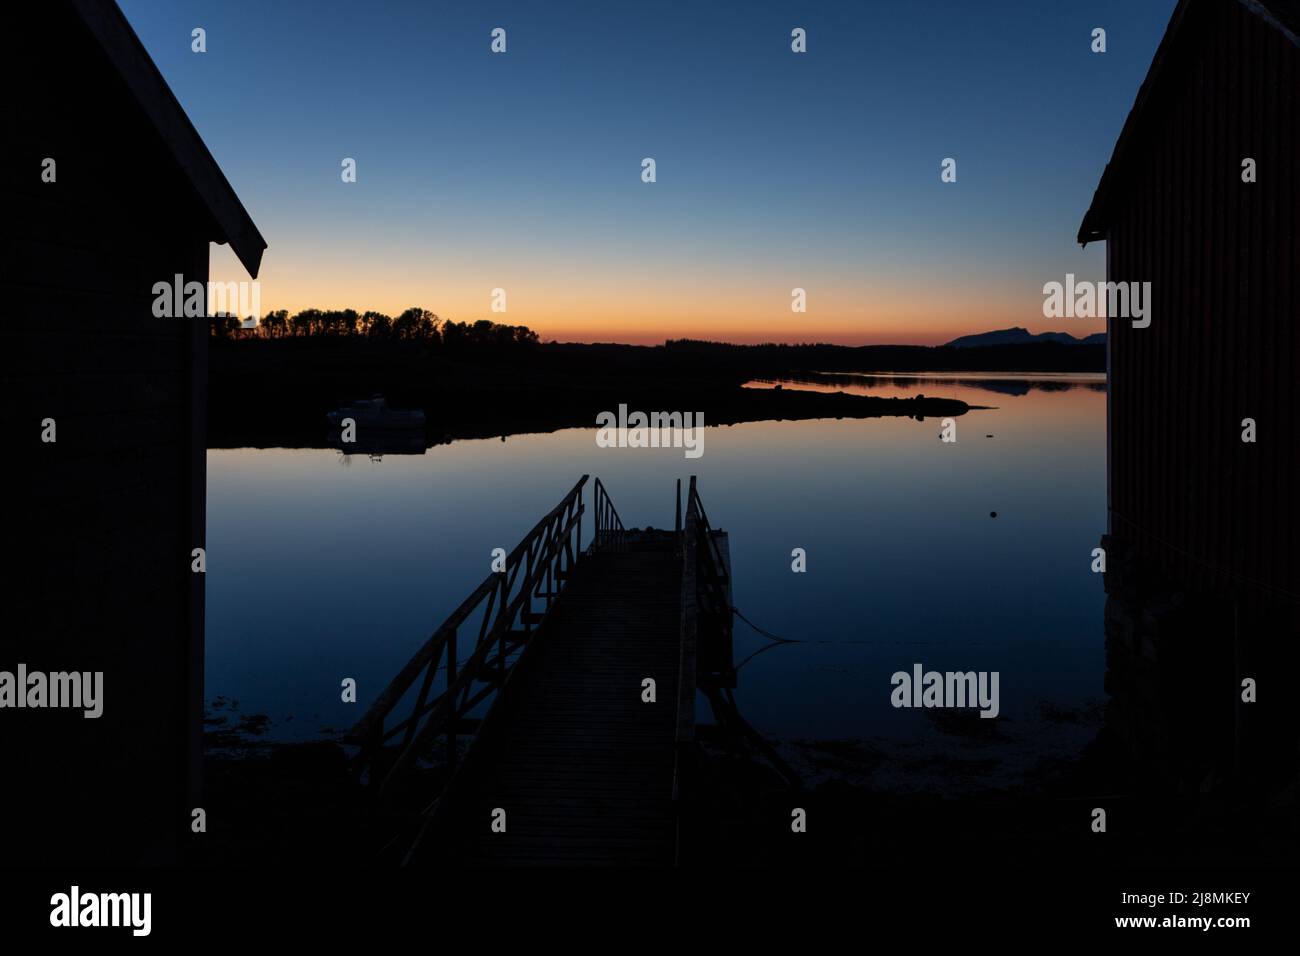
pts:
pixel 322 567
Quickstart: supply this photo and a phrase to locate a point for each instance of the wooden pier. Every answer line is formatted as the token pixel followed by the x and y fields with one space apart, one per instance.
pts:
pixel 570 761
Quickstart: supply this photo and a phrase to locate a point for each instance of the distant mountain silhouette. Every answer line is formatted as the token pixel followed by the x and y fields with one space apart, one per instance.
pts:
pixel 1019 336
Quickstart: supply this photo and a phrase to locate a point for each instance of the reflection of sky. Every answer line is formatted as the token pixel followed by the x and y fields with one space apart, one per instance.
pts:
pixel 319 571
pixel 775 170
pixel 939 385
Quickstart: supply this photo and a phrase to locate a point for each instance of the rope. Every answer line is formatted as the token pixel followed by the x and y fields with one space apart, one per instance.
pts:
pixel 768 634
pixel 778 639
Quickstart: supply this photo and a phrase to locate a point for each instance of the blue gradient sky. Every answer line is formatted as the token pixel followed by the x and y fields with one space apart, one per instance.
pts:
pixel 775 170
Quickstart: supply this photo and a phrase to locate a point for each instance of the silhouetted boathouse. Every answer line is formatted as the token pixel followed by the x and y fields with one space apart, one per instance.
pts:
pixel 108 514
pixel 1203 576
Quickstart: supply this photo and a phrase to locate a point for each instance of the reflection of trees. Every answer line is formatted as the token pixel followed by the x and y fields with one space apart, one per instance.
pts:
pixel 1011 385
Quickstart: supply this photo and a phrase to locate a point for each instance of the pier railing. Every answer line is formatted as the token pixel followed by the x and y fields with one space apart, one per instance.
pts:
pixel 705 652
pixel 610 533
pixel 510 603
pixel 710 573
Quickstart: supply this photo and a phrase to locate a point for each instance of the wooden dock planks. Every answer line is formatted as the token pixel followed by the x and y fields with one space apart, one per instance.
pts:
pixel 581 765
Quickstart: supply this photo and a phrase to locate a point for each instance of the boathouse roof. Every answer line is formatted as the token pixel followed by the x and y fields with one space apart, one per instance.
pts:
pixel 128 56
pixel 1162 78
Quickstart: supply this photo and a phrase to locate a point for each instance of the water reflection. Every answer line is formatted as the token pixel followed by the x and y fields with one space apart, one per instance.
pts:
pixel 326 572
pixel 908 384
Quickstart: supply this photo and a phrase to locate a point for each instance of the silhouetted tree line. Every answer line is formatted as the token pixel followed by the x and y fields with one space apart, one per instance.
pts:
pixel 415 325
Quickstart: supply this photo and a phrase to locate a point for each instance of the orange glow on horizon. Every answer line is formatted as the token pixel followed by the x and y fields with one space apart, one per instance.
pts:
pixel 646 309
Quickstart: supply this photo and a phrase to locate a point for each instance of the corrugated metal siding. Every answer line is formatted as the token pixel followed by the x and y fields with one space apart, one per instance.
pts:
pixel 1222 258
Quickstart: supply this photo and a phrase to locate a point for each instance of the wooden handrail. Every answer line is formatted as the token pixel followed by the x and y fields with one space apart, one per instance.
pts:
pixel 715 565
pixel 610 533
pixel 535 570
pixel 705 624
pixel 705 617
pixel 689 546
pixel 704 601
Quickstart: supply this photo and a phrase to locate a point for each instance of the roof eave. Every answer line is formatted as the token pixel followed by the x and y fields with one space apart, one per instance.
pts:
pixel 125 51
pixel 1094 223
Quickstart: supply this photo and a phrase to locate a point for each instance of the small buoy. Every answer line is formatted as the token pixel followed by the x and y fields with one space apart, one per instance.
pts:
pixel 993 514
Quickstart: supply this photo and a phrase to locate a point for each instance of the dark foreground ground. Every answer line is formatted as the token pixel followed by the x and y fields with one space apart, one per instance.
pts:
pixel 296 804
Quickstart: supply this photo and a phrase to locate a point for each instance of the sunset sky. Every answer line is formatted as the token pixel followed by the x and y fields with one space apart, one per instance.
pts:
pixel 775 170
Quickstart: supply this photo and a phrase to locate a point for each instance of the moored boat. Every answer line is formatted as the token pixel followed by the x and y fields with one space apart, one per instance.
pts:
pixel 374 412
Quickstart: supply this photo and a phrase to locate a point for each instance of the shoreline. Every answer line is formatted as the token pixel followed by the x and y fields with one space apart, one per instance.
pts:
pixel 275 393
pixel 253 421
